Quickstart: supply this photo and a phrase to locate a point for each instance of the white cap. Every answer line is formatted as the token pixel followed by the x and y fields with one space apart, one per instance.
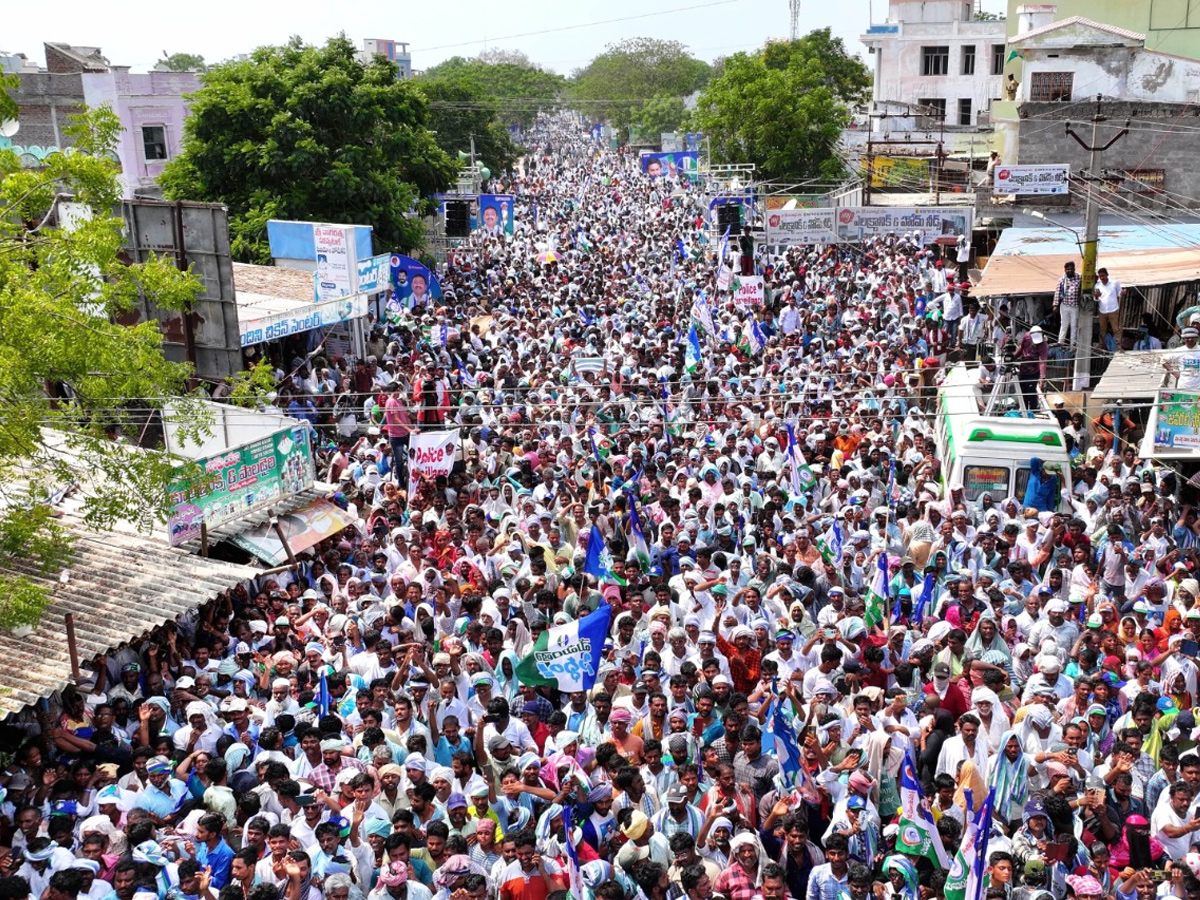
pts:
pixel 1035 334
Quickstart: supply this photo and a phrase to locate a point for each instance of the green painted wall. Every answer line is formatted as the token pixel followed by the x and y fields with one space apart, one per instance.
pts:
pixel 1170 26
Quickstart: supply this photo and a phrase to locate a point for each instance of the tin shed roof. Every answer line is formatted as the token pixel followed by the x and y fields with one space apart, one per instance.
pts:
pixel 118 586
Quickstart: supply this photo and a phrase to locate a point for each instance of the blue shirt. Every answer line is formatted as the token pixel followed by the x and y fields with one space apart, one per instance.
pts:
pixel 445 750
pixel 822 885
pixel 159 803
pixel 221 860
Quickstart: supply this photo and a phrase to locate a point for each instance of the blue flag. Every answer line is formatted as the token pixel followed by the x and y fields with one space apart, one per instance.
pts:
pixel 692 356
pixel 323 699
pixel 568 656
pixel 924 600
pixel 598 562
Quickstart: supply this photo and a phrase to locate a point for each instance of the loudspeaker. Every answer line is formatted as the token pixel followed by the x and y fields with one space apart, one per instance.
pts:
pixel 729 216
pixel 458 218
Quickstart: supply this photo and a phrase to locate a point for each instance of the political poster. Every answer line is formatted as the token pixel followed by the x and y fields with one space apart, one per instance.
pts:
pixel 495 214
pixel 218 489
pixel 1176 422
pixel 1031 180
pixel 801 226
pixel 302 527
pixel 748 291
pixel 337 270
pixel 673 165
pixel 430 454
pixel 412 284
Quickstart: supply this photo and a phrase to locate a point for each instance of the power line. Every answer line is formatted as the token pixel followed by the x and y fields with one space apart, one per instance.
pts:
pixel 561 28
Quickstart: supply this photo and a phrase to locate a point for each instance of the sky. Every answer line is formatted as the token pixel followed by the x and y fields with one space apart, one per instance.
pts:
pixel 219 29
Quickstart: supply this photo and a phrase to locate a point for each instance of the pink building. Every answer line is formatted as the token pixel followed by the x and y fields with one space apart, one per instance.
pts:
pixel 152 108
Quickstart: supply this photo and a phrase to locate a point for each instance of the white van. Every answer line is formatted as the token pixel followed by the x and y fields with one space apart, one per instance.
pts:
pixel 990 454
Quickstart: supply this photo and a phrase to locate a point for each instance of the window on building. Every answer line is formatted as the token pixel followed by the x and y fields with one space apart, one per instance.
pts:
pixel 934 107
pixel 964 112
pixel 1051 87
pixel 154 142
pixel 935 60
pixel 968 59
pixel 998 56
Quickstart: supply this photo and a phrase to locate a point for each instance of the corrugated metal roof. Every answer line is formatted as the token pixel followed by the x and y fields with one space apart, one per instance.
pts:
pixel 250 521
pixel 1078 20
pixel 1030 260
pixel 119 586
pixel 1134 375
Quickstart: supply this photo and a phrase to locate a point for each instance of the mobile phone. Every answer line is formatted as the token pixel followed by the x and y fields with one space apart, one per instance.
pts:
pixel 1189 648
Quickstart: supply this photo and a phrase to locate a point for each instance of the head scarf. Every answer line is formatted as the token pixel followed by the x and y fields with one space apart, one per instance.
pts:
pixel 969 779
pixel 394 874
pixel 901 864
pixel 748 839
pixel 1010 779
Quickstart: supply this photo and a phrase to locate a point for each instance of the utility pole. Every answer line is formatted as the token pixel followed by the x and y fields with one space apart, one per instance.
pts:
pixel 1092 226
pixel 870 171
pixel 474 172
pixel 941 156
pixel 1083 340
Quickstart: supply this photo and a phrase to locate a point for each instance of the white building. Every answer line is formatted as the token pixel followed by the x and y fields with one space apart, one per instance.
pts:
pixel 935 60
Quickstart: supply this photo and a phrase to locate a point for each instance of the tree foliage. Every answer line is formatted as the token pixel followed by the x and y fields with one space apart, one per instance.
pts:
pixel 460 109
pixel 302 132
pixel 660 114
pixel 68 373
pixel 183 62
pixel 516 88
pixel 8 105
pixel 633 71
pixel 784 107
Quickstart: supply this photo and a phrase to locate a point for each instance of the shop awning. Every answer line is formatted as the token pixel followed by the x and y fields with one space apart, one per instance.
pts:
pixel 1030 260
pixel 118 587
pixel 1132 377
pixel 274 302
pixel 304 526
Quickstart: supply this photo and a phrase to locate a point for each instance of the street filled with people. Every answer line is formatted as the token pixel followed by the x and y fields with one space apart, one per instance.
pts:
pixel 698 610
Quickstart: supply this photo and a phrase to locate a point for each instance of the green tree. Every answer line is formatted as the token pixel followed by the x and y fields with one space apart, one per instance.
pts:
pixel 629 73
pixel 183 62
pixel 459 109
pixel 67 370
pixel 8 106
pixel 301 132
pixel 784 107
pixel 660 114
pixel 516 87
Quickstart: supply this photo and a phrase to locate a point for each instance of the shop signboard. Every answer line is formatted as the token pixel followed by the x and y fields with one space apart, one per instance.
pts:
pixel 305 318
pixel 219 489
pixel 1032 180
pixel 801 226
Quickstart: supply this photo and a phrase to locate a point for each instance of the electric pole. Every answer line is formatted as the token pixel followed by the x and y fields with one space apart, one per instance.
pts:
pixel 1092 226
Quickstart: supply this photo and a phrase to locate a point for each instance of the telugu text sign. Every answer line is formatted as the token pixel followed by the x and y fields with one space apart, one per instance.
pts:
pixel 801 226
pixel 1032 180
pixel 1177 425
pixel 219 489
pixel 337 270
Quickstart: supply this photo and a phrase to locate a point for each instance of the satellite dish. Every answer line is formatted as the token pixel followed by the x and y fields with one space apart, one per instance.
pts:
pixel 9 127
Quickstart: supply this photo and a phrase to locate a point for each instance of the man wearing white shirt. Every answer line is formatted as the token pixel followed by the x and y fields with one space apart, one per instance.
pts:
pixel 963 746
pixel 1108 305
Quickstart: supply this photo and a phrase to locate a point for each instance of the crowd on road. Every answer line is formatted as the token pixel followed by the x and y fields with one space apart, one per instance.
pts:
pixel 829 674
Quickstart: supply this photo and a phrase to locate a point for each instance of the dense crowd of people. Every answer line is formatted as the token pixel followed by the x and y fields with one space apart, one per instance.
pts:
pixel 357 727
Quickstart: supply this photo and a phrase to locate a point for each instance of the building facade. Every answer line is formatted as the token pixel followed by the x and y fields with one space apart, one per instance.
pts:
pixel 396 51
pixel 151 107
pixel 1168 26
pixel 1070 69
pixel 937 60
